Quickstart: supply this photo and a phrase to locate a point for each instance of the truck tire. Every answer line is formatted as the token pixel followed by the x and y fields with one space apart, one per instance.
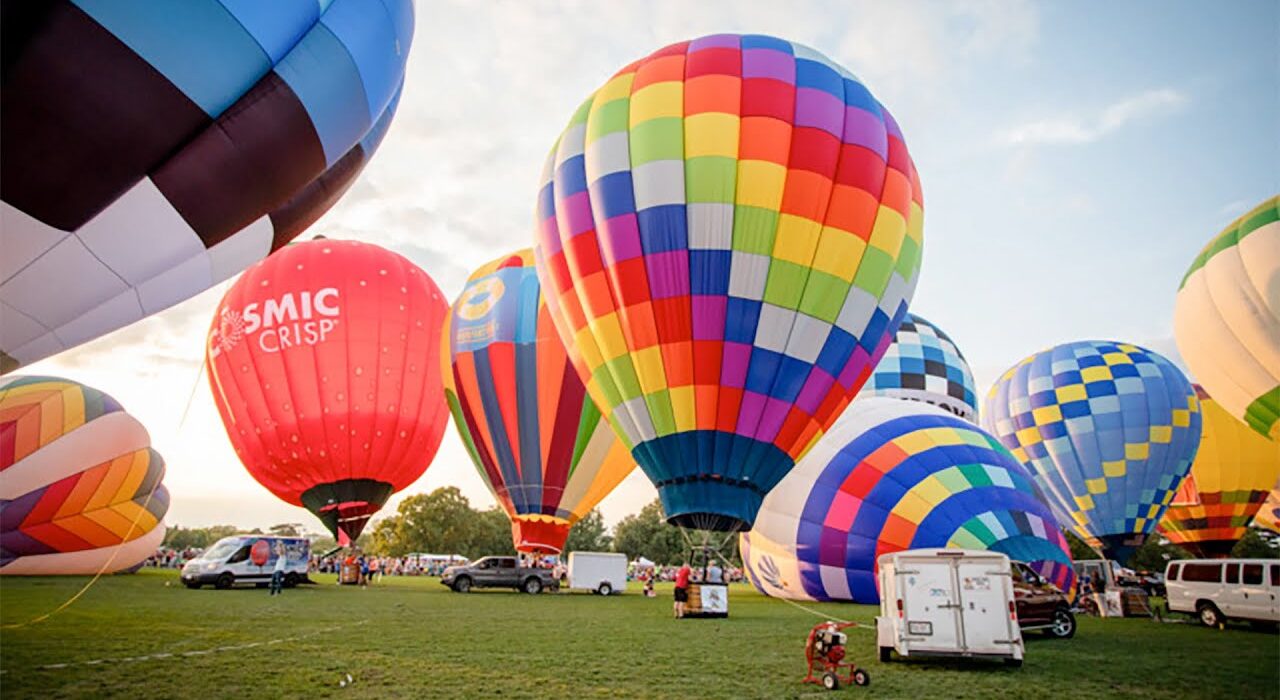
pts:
pixel 462 584
pixel 290 580
pixel 1209 614
pixel 885 654
pixel 224 581
pixel 532 585
pixel 605 588
pixel 1063 625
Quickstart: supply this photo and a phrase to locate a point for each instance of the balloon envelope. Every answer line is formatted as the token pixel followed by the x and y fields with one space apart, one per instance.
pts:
pixel 892 475
pixel 324 364
pixel 1268 516
pixel 537 440
pixel 923 364
pixel 728 233
pixel 1230 478
pixel 80 485
pixel 1227 318
pixel 1107 429
pixel 152 150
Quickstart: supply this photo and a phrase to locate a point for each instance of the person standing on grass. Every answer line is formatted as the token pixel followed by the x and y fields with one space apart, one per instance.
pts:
pixel 682 588
pixel 277 575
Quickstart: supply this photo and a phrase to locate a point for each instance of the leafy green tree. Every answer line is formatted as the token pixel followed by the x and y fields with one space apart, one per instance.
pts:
pixel 179 537
pixel 1155 553
pixel 1257 544
pixel 589 535
pixel 491 536
pixel 286 530
pixel 647 534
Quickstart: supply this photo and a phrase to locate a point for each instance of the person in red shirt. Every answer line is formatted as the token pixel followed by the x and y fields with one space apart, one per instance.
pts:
pixel 682 588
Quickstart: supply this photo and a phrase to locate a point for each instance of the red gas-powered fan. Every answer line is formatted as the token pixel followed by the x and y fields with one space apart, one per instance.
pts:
pixel 825 651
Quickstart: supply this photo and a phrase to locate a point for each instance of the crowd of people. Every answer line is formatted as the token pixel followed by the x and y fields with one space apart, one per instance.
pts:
pixel 169 558
pixel 378 567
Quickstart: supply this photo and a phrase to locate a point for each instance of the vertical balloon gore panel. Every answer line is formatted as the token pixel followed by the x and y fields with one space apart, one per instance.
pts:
pixel 324 365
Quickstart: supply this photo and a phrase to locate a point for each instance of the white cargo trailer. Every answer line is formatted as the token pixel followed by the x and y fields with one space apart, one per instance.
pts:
pixel 947 602
pixel 599 572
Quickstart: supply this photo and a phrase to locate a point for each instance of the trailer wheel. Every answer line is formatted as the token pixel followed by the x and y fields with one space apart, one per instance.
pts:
pixel 884 654
pixel 830 681
pixel 861 677
pixel 224 581
pixel 605 588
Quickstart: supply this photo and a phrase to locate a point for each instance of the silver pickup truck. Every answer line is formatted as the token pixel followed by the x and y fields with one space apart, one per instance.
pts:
pixel 499 572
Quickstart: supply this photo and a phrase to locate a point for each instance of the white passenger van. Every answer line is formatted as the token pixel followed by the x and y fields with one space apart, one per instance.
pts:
pixel 248 559
pixel 1218 589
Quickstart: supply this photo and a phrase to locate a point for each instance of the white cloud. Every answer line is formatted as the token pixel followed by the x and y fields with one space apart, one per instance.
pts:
pixel 1080 129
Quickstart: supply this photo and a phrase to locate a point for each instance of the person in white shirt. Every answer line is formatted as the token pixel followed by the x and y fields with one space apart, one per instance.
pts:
pixel 715 574
pixel 277 575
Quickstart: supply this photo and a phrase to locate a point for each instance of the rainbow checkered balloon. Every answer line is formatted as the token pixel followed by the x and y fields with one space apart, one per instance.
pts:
pixel 1109 431
pixel 728 233
pixel 893 475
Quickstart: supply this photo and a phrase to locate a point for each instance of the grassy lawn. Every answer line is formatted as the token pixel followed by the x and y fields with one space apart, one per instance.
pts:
pixel 412 638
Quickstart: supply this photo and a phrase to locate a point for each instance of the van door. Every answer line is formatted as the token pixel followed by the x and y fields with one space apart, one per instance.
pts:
pixel 1274 590
pixel 930 612
pixel 1255 595
pixel 984 608
pixel 1232 601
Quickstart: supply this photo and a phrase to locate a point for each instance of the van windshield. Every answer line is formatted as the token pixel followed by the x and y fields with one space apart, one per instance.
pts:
pixel 221 550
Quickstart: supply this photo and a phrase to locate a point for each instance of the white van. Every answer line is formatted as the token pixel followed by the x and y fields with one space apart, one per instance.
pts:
pixel 598 572
pixel 948 602
pixel 248 559
pixel 1217 589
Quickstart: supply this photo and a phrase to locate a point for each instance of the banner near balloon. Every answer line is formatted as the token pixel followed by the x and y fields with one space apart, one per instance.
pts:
pixel 1227 318
pixel 729 232
pixel 1231 476
pixel 893 475
pixel 1268 516
pixel 324 363
pixel 1107 429
pixel 539 443
pixel 152 150
pixel 923 364
pixel 80 485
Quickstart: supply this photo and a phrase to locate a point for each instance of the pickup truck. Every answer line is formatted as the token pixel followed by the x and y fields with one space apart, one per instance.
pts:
pixel 498 572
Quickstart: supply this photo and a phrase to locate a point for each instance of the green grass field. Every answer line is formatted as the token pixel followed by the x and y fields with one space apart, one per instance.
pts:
pixel 145 636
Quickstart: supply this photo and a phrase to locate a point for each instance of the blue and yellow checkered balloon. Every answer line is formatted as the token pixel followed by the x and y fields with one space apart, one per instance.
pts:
pixel 1107 429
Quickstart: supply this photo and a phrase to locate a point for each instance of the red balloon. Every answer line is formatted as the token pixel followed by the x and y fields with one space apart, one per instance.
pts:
pixel 324 361
pixel 260 552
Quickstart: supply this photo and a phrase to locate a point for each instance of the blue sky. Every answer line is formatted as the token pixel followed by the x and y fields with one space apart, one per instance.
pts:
pixel 1075 156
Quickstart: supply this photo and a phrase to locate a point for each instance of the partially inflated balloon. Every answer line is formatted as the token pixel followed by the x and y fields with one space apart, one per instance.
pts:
pixel 1234 471
pixel 729 231
pixel 1107 429
pixel 324 363
pixel 892 475
pixel 1227 318
pixel 539 443
pixel 923 364
pixel 152 150
pixel 1268 516
pixel 80 485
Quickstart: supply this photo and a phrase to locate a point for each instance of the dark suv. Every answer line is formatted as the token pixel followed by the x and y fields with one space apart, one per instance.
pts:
pixel 1041 605
pixel 499 572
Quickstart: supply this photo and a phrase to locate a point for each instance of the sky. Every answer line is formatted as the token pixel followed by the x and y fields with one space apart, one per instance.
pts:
pixel 1074 157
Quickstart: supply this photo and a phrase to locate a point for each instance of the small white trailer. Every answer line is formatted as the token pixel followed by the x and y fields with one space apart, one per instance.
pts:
pixel 947 602
pixel 599 572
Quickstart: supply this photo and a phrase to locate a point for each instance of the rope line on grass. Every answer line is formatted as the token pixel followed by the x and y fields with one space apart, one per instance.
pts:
pixel 832 618
pixel 198 652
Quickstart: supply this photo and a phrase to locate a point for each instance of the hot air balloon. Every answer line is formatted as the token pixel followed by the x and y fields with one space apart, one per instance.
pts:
pixel 1230 478
pixel 539 443
pixel 1268 516
pixel 1227 318
pixel 152 150
pixel 80 488
pixel 324 363
pixel 1107 429
pixel 892 475
pixel 923 364
pixel 729 231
